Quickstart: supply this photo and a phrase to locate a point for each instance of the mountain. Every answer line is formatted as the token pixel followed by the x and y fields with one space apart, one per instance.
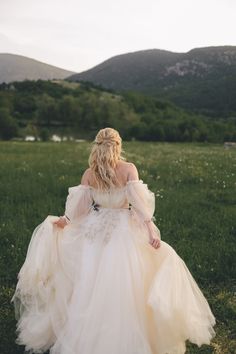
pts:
pixel 18 68
pixel 201 80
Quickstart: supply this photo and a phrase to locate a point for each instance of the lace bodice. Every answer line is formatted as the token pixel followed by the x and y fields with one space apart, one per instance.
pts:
pixel 135 193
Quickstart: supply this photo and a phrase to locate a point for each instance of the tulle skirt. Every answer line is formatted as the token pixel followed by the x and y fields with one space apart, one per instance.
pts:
pixel 99 287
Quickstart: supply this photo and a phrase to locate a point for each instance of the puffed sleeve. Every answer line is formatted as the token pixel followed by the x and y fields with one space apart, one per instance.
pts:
pixel 142 200
pixel 78 202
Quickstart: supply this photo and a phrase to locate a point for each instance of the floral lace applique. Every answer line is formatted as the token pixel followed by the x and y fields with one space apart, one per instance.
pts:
pixel 103 225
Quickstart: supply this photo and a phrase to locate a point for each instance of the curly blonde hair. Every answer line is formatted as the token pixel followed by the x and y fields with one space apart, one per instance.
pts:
pixel 105 153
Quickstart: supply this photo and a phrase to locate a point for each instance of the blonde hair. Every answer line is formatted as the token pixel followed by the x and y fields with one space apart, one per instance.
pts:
pixel 105 153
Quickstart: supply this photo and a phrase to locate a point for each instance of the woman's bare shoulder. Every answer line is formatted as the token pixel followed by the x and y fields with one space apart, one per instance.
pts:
pixel 129 169
pixel 87 175
pixel 125 164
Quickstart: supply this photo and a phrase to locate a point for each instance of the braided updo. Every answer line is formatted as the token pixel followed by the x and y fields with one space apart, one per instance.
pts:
pixel 105 154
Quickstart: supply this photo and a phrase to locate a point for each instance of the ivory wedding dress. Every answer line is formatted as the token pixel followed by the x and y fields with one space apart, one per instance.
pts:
pixel 98 287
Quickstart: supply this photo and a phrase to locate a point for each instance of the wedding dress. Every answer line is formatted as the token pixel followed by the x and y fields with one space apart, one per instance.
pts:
pixel 98 287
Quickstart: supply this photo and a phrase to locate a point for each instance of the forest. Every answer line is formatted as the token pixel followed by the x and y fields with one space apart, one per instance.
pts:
pixel 77 110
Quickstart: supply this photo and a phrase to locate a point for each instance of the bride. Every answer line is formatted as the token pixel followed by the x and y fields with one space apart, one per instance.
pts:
pixel 99 280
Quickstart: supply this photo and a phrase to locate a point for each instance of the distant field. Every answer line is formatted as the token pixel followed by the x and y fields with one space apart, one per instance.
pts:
pixel 195 188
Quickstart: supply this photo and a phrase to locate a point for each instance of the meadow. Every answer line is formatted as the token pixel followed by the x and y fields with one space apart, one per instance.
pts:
pixel 195 189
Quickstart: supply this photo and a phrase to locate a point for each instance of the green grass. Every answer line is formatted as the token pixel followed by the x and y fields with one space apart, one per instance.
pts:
pixel 195 188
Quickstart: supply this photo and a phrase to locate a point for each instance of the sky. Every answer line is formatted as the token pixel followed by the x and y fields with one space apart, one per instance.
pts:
pixel 79 34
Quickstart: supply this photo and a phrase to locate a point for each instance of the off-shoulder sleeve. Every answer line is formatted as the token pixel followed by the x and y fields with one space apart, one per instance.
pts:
pixel 78 202
pixel 142 200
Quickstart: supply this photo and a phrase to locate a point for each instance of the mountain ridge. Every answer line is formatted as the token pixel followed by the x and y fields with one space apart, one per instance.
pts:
pixel 14 67
pixel 184 78
pixel 202 80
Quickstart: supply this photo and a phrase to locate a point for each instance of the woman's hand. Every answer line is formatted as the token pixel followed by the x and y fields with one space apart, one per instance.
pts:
pixel 154 236
pixel 61 222
pixel 154 242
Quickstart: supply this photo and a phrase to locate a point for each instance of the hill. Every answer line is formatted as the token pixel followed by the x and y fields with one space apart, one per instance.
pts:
pixel 202 80
pixel 18 68
pixel 42 108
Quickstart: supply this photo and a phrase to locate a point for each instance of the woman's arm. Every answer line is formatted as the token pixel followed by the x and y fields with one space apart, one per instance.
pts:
pixel 154 240
pixel 64 220
pixel 153 236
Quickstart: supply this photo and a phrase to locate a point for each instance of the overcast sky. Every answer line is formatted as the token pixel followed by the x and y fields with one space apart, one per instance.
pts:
pixel 78 34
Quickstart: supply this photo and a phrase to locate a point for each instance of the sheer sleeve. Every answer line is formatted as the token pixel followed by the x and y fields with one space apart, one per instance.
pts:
pixel 78 202
pixel 142 200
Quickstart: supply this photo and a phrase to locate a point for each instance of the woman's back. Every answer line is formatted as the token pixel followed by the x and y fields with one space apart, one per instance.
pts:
pixel 124 171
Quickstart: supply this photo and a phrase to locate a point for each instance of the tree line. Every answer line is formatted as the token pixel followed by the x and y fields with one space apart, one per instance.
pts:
pixel 42 108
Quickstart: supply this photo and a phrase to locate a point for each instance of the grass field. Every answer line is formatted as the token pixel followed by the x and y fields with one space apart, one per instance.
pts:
pixel 195 188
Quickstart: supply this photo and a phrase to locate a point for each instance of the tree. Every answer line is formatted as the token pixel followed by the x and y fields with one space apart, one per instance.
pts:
pixel 47 110
pixel 8 126
pixel 44 134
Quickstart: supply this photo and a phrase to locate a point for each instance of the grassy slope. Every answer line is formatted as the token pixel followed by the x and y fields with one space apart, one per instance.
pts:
pixel 195 189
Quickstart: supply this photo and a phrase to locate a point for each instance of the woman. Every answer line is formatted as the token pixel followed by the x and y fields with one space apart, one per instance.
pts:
pixel 99 280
